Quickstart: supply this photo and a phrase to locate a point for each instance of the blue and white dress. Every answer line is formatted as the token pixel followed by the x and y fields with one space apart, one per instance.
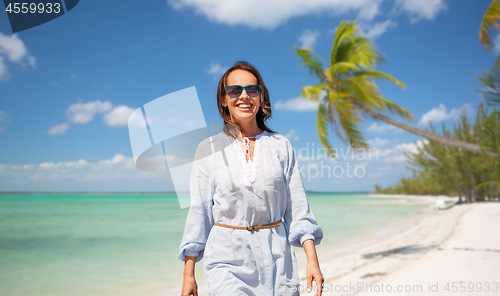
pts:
pixel 226 189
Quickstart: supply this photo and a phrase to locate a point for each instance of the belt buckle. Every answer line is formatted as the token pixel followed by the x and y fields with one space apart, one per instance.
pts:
pixel 250 228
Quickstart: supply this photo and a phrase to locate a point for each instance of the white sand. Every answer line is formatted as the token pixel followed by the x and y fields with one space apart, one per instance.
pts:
pixel 461 244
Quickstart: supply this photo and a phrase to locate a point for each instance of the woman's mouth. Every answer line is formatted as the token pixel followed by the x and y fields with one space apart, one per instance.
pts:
pixel 244 107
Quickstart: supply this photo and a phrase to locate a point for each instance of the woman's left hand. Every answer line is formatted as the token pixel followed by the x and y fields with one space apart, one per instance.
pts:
pixel 313 272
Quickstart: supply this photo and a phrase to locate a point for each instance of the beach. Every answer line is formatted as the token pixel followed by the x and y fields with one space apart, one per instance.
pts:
pixel 448 252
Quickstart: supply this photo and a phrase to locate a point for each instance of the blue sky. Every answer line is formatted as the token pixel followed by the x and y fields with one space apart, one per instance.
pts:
pixel 68 86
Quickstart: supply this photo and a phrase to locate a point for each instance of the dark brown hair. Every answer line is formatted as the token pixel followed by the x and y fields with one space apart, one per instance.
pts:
pixel 264 112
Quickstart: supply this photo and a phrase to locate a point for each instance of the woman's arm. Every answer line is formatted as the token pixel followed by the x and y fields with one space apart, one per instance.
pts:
pixel 189 286
pixel 313 272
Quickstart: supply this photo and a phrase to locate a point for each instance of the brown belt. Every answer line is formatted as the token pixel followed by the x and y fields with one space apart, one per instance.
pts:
pixel 250 228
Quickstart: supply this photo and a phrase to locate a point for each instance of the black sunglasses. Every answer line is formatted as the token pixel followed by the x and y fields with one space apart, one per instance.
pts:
pixel 235 91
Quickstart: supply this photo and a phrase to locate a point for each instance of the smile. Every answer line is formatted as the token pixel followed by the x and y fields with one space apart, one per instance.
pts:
pixel 244 107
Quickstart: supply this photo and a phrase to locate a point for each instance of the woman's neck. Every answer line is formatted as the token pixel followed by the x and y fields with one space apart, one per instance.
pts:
pixel 250 130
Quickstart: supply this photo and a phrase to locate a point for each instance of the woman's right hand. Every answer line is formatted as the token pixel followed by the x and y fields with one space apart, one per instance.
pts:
pixel 189 286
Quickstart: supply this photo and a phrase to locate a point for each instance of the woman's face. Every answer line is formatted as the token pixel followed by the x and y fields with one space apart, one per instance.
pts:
pixel 243 108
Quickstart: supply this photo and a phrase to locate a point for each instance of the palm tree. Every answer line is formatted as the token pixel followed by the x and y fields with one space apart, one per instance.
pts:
pixel 491 85
pixel 346 89
pixel 490 81
pixel 490 19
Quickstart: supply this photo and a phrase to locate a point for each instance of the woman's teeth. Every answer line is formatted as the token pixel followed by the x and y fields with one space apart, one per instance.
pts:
pixel 244 106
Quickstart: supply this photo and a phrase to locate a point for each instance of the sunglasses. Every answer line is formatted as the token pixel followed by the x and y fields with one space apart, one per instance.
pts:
pixel 235 91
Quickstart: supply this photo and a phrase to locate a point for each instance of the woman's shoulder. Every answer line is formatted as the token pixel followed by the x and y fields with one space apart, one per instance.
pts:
pixel 280 142
pixel 278 137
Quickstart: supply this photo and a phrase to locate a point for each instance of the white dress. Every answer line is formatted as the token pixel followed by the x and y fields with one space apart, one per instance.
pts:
pixel 226 189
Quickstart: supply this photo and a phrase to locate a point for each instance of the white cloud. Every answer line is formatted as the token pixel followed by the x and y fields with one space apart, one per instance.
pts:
pixel 118 116
pixel 375 30
pixel 58 129
pixel 136 120
pixel 216 69
pixel 411 147
pixel 383 128
pixel 118 173
pixel 270 14
pixel 377 142
pixel 308 38
pixel 68 164
pixel 292 135
pixel 84 113
pixel 421 9
pixel 440 114
pixel 396 154
pixel 13 48
pixel 370 10
pixel 296 104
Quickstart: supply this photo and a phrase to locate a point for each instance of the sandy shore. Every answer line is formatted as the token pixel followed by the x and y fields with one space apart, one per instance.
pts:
pixel 458 245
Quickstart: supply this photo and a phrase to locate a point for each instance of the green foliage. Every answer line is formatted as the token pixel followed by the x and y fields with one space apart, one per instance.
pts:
pixel 490 134
pixel 491 85
pixel 440 169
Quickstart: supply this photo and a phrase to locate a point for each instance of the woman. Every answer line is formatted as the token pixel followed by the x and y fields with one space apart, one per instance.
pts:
pixel 239 194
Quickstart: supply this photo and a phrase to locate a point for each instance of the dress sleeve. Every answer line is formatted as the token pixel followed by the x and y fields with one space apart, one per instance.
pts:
pixel 199 220
pixel 298 215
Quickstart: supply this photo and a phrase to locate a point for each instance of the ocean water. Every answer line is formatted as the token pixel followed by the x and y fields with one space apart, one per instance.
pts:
pixel 126 244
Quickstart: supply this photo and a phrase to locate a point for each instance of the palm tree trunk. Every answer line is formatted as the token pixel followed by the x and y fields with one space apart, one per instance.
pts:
pixel 438 138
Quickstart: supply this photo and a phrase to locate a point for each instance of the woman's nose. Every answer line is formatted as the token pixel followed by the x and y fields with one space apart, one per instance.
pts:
pixel 244 94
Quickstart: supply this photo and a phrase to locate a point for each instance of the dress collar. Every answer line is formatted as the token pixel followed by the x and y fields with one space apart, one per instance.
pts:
pixel 257 136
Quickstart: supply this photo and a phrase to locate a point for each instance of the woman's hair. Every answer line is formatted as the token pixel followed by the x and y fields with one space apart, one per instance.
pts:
pixel 264 112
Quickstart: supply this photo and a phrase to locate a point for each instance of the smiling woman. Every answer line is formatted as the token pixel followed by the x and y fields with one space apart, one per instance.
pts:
pixel 248 210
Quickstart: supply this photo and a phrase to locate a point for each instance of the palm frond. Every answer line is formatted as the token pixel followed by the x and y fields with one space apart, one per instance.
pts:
pixel 312 92
pixel 349 120
pixel 363 91
pixel 364 54
pixel 394 108
pixel 342 68
pixel 322 125
pixel 490 133
pixel 491 19
pixel 311 62
pixel 379 76
pixel 491 84
pixel 344 31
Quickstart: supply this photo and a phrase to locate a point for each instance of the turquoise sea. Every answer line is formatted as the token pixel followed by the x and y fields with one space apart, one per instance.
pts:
pixel 126 244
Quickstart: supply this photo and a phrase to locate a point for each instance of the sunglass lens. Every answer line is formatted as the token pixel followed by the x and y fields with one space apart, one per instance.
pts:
pixel 234 91
pixel 253 90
